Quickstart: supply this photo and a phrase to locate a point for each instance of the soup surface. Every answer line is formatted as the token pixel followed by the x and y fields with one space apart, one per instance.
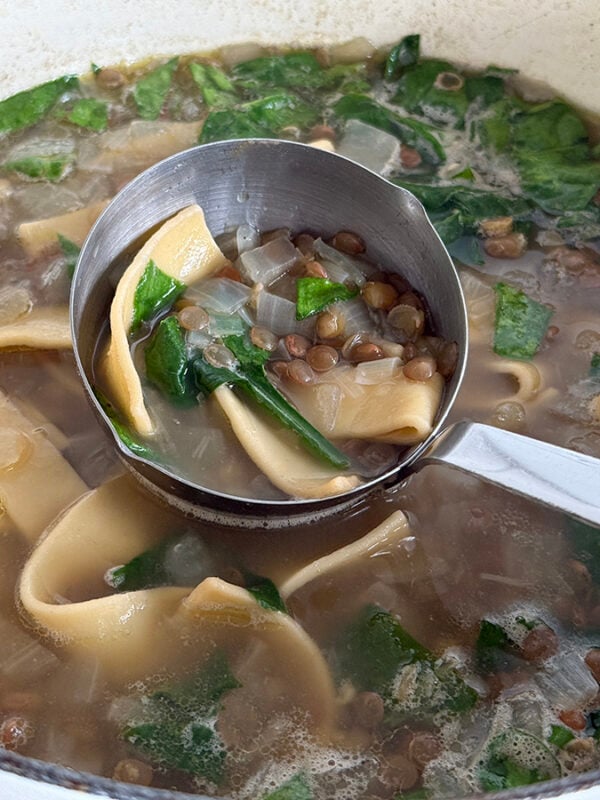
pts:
pixel 438 640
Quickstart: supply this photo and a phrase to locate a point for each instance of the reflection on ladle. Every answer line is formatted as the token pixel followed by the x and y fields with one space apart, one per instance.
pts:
pixel 275 184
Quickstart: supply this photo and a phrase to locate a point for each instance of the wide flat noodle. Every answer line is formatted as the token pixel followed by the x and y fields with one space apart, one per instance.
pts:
pixel 285 462
pixel 182 248
pixel 142 143
pixel 36 482
pixel 168 630
pixel 41 235
pixel 399 411
pixel 42 328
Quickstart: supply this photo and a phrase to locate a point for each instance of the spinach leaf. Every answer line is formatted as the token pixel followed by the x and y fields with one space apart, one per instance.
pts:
pixel 264 592
pixel 373 651
pixel 70 252
pixel 548 143
pixel 492 648
pixel 167 362
pixel 594 372
pixel 315 294
pixel 410 131
pixel 123 430
pixel 419 92
pixel 260 118
pixel 150 92
pixel 46 168
pixel 287 71
pixel 457 210
pixel 155 292
pixel 217 90
pixel 177 730
pixel 487 89
pixel 26 108
pixel 89 113
pixel 297 788
pixel 520 323
pixel 404 54
pixel 516 758
pixel 250 377
pixel 560 736
pixel 145 571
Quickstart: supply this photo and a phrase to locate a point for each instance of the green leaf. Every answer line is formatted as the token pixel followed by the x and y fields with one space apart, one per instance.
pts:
pixel 457 210
pixel 123 430
pixel 555 184
pixel 70 252
pixel 155 292
pixel 520 324
pixel 46 168
pixel 250 377
pixel 418 94
pixel 404 54
pixel 145 571
pixel 315 294
pixel 89 113
pixel 167 363
pixel 177 731
pixel 375 647
pixel 409 131
pixel 217 90
pixel 466 249
pixel 26 108
pixel 487 89
pixel 465 174
pixel 193 747
pixel 594 372
pixel 493 648
pixel 95 68
pixel 560 736
pixel 516 758
pixel 297 788
pixel 261 118
pixel 264 592
pixel 287 71
pixel 150 92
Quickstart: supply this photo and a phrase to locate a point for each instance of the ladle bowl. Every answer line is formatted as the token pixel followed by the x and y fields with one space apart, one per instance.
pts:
pixel 272 184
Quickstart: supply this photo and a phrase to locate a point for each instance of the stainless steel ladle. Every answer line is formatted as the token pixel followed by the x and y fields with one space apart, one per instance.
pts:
pixel 274 184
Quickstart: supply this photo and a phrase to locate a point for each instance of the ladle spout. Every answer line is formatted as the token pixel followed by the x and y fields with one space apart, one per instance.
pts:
pixel 551 475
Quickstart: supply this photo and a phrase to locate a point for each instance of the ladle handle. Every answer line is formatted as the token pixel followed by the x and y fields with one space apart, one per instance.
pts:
pixel 554 476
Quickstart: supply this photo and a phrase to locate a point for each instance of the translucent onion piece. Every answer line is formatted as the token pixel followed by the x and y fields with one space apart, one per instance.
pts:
pixel 278 315
pixel 267 263
pixel 567 682
pixel 246 238
pixel 226 325
pixel 23 658
pixel 220 294
pixel 374 149
pixel 14 302
pixel 341 267
pixel 371 373
pixel 356 316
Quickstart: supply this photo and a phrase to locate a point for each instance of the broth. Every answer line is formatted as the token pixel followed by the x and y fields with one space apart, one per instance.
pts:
pixel 444 650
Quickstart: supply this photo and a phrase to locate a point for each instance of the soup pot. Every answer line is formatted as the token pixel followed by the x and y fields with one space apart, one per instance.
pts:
pixel 549 41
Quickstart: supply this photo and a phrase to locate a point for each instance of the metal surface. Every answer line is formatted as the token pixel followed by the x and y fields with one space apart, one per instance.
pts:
pixel 268 184
pixel 557 477
pixel 271 184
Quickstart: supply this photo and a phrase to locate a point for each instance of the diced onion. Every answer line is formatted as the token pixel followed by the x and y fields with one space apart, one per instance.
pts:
pixel 374 149
pixel 226 325
pixel 221 295
pixel 342 268
pixel 371 373
pixel 246 238
pixel 14 302
pixel 267 263
pixel 356 316
pixel 278 315
pixel 567 682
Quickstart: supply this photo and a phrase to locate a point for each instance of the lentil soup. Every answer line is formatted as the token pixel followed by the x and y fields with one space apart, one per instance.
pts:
pixel 438 640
